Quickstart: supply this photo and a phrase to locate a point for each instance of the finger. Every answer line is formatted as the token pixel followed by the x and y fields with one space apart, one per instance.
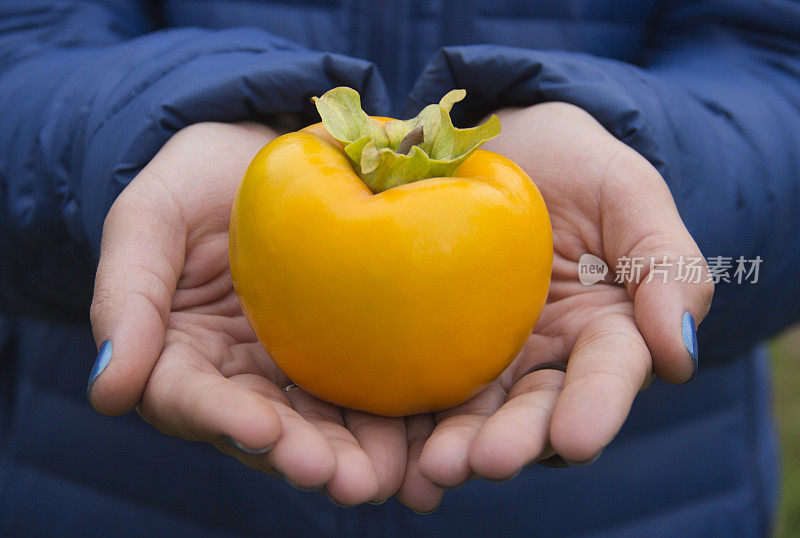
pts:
pixel 247 412
pixel 141 259
pixel 354 480
pixel 302 455
pixel 383 440
pixel 641 222
pixel 187 398
pixel 417 492
pixel 606 369
pixel 445 457
pixel 518 432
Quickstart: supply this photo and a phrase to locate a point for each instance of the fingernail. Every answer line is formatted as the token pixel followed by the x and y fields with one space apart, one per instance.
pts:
pixel 377 503
pixel 100 363
pixel 426 513
pixel 239 446
pixel 555 461
pixel 301 488
pixel 325 491
pixel 587 462
pixel 690 340
pixel 508 479
pixel 446 487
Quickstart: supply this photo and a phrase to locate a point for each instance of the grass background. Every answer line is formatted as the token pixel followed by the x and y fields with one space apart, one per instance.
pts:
pixel 785 351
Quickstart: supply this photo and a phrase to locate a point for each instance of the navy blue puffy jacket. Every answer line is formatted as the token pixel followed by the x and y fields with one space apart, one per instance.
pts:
pixel 708 91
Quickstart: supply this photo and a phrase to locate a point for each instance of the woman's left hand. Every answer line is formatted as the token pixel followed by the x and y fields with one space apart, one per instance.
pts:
pixel 608 201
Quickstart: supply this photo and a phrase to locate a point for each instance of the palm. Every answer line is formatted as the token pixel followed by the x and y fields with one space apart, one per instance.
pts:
pixel 606 200
pixel 571 307
pixel 207 321
pixel 212 381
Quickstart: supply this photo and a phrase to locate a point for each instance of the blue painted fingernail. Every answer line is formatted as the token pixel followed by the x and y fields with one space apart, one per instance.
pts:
pixel 690 340
pixel 239 446
pixel 103 358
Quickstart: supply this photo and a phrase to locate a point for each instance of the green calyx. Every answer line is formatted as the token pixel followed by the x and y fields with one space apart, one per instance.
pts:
pixel 385 155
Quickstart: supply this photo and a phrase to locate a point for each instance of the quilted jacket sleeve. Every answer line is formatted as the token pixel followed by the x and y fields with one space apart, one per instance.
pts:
pixel 89 93
pixel 715 106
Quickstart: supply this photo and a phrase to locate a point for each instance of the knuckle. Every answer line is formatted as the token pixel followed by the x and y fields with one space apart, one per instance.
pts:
pixel 552 382
pixel 609 336
pixel 627 171
pixel 657 243
pixel 100 301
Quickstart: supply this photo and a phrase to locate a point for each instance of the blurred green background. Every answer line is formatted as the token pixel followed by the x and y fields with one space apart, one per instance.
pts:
pixel 785 351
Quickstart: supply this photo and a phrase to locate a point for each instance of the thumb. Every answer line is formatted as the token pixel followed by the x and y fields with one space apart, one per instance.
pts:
pixel 659 262
pixel 141 259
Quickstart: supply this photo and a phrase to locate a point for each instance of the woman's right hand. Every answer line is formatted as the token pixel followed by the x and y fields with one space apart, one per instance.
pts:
pixel 181 351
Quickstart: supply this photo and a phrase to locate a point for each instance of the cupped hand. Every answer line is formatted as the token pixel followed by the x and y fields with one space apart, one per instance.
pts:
pixel 182 352
pixel 606 200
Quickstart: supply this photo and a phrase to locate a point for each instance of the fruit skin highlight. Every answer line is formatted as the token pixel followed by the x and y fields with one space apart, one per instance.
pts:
pixel 399 302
